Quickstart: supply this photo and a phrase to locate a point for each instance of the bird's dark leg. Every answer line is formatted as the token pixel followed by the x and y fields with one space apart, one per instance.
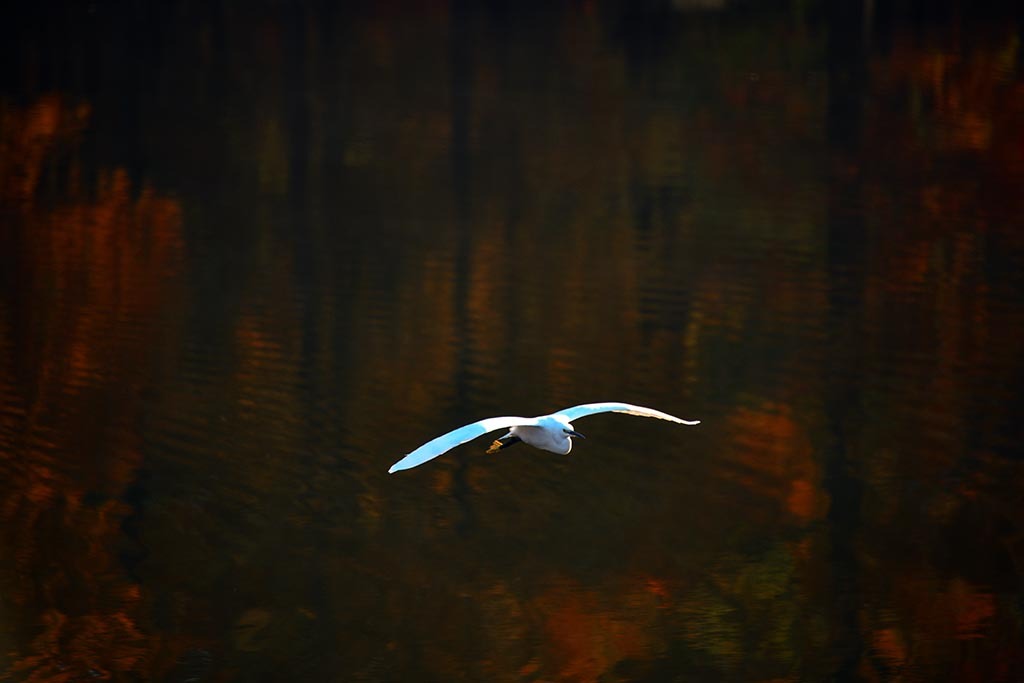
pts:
pixel 503 442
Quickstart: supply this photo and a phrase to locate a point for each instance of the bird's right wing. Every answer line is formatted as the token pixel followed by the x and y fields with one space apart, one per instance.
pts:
pixel 445 443
pixel 576 412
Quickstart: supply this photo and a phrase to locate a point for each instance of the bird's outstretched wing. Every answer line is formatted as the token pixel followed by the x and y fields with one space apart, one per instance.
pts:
pixel 445 443
pixel 586 409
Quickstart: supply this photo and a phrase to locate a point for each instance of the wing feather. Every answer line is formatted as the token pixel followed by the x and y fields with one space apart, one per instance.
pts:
pixel 586 409
pixel 457 437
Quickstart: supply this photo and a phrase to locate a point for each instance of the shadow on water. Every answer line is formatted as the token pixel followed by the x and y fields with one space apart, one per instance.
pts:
pixel 845 253
pixel 461 112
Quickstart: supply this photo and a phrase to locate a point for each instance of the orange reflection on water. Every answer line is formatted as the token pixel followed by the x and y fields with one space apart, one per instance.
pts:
pixel 587 634
pixel 91 269
pixel 29 135
pixel 773 457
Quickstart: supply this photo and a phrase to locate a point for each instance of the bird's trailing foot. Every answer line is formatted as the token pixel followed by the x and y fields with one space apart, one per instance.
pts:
pixel 503 442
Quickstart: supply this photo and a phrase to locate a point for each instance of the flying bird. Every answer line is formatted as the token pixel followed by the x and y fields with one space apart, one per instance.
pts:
pixel 552 432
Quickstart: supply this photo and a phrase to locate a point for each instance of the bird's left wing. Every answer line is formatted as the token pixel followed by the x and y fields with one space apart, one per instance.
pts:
pixel 586 409
pixel 446 442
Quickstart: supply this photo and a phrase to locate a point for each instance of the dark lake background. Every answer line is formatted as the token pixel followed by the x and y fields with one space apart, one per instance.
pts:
pixel 253 253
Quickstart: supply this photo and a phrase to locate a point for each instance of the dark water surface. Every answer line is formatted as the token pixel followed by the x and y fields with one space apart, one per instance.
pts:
pixel 251 254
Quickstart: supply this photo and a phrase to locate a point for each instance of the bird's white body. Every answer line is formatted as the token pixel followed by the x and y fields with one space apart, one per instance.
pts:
pixel 547 432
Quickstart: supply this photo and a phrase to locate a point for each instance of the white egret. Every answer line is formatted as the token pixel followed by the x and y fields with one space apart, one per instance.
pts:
pixel 547 432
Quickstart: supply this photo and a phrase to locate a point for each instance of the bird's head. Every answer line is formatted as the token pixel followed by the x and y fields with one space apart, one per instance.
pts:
pixel 566 427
